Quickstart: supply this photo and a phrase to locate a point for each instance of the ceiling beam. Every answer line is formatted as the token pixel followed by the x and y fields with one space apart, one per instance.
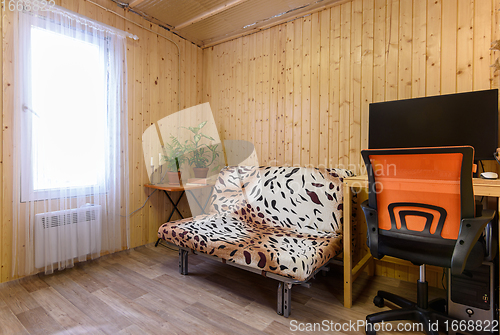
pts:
pixel 277 21
pixel 134 3
pixel 207 14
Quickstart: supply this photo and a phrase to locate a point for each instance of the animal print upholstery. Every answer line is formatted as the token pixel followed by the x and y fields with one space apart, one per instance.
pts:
pixel 285 220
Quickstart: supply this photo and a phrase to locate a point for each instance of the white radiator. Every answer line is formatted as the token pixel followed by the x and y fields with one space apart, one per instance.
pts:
pixel 63 235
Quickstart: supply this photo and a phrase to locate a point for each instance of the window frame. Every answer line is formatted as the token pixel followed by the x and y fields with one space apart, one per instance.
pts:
pixel 28 193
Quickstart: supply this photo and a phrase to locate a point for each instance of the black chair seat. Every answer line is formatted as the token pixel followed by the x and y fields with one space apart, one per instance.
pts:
pixel 429 253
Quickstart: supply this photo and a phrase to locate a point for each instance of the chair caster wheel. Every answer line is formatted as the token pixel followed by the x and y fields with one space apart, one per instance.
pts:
pixel 378 301
pixel 369 329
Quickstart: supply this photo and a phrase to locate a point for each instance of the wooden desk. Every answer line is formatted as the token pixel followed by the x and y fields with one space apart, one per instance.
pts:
pixel 482 187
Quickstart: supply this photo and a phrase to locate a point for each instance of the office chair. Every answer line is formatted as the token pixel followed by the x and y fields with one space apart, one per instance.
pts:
pixel 420 208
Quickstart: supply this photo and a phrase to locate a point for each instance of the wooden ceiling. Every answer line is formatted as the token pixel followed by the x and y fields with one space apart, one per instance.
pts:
pixel 209 22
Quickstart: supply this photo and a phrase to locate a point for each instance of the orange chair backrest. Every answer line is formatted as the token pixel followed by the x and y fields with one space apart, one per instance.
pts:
pixel 421 190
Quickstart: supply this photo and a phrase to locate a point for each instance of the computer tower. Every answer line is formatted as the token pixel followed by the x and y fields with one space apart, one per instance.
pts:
pixel 472 296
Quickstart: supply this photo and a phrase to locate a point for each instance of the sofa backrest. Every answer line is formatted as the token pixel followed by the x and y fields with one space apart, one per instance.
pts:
pixel 303 199
pixel 228 194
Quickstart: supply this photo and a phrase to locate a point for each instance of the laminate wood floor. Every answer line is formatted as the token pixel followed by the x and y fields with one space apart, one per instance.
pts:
pixel 140 291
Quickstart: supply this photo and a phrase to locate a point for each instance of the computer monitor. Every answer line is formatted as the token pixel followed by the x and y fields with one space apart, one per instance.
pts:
pixel 454 119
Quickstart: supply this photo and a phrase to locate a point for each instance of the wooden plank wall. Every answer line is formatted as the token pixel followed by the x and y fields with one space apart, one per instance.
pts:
pixel 300 91
pixel 3 219
pixel 152 94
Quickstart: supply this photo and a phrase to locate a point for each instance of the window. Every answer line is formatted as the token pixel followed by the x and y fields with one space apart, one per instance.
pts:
pixel 66 126
pixel 69 138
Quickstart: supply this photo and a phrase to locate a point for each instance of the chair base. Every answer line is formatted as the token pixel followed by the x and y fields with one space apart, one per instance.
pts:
pixel 429 317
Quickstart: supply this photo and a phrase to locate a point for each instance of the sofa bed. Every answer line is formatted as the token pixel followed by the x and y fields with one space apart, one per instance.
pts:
pixel 281 222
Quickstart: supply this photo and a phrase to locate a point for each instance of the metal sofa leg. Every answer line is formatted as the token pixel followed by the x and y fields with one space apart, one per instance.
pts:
pixel 287 299
pixel 280 298
pixel 183 262
pixel 284 299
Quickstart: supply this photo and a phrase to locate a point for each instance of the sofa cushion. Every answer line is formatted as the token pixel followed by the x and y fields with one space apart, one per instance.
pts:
pixel 228 194
pixel 307 200
pixel 255 243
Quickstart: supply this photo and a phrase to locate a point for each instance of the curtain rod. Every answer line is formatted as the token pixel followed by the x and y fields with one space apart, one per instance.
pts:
pixel 154 32
pixel 81 19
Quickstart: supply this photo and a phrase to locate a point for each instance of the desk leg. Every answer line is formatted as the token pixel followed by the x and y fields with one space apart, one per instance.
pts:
pixel 175 205
pixel 347 247
pixel 204 207
pixel 208 199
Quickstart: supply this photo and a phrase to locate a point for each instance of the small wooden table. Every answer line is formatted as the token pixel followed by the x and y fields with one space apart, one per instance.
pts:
pixel 167 188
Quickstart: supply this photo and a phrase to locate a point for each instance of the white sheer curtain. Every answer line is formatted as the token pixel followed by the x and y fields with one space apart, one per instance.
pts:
pixel 70 141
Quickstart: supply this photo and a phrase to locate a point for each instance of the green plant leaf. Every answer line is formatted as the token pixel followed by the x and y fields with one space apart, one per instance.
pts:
pixel 201 125
pixel 174 154
pixel 208 137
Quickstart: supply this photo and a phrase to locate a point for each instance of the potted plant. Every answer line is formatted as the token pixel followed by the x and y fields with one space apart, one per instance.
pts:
pixel 174 157
pixel 202 155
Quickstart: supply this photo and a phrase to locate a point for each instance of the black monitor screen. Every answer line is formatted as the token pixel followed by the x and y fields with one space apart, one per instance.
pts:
pixel 455 119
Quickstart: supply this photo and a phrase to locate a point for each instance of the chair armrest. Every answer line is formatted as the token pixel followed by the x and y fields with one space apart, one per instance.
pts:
pixel 470 231
pixel 371 217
